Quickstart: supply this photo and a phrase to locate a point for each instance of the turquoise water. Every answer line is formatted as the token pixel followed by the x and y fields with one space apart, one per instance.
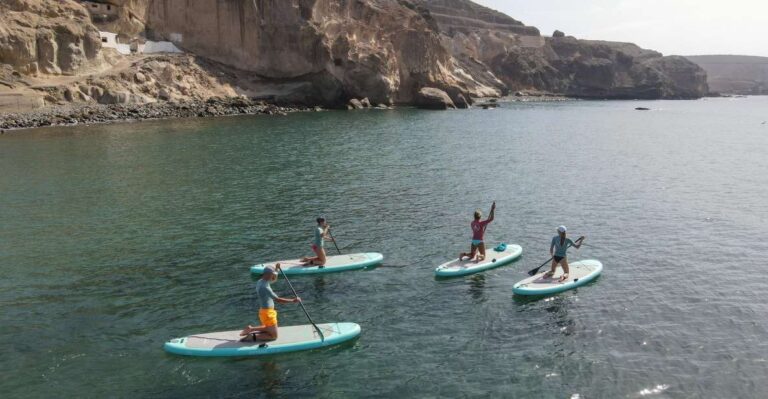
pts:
pixel 115 238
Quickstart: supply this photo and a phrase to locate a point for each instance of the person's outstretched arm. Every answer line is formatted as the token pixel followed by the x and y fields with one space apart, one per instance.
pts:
pixel 288 300
pixel 492 213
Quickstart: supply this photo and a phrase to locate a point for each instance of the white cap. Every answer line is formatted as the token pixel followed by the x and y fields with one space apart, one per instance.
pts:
pixel 562 229
pixel 269 270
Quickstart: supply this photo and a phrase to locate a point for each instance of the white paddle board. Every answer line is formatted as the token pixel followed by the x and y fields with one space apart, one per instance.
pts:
pixel 581 272
pixel 289 339
pixel 335 263
pixel 492 259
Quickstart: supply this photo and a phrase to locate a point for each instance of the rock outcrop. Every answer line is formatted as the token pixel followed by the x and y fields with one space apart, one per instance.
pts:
pixel 432 98
pixel 50 37
pixel 524 60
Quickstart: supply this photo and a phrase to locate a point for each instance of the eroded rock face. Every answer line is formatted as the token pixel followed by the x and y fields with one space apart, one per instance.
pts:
pixel 48 36
pixel 523 60
pixel 328 52
pixel 599 69
pixel 127 20
pixel 385 50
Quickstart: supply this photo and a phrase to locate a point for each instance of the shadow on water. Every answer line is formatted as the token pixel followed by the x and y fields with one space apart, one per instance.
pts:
pixel 477 287
pixel 319 284
pixel 556 307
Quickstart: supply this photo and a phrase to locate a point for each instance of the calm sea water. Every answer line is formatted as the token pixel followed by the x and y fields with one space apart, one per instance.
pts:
pixel 115 238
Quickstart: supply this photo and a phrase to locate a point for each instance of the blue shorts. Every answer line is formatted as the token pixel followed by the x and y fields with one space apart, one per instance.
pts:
pixel 477 242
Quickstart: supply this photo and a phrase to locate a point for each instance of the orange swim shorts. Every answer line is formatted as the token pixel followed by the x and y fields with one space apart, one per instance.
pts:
pixel 268 317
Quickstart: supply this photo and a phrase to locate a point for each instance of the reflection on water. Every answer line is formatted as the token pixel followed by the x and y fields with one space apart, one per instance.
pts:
pixel 476 287
pixel 271 377
pixel 557 307
pixel 318 283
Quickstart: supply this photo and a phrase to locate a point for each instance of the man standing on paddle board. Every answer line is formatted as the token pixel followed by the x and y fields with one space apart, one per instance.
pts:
pixel 558 249
pixel 267 331
pixel 478 231
pixel 318 244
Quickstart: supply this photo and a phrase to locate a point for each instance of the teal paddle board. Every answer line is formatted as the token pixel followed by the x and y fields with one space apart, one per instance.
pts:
pixel 290 339
pixel 333 264
pixel 493 258
pixel 581 272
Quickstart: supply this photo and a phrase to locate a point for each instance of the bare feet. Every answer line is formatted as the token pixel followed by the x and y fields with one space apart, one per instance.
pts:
pixel 563 278
pixel 247 330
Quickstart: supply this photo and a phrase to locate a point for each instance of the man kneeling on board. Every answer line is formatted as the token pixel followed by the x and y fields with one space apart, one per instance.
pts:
pixel 267 331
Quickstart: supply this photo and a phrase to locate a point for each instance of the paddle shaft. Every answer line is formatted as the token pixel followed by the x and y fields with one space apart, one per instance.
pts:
pixel 322 337
pixel 334 241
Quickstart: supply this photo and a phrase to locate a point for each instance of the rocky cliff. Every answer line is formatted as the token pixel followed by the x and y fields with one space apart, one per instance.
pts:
pixel 321 51
pixel 523 60
pixel 51 37
pixel 316 52
pixel 328 51
pixel 735 74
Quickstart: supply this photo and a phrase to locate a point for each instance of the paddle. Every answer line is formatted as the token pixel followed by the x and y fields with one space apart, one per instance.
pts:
pixel 322 337
pixel 334 241
pixel 533 272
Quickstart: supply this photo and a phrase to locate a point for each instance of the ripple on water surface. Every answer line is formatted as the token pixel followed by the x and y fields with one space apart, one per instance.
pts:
pixel 116 238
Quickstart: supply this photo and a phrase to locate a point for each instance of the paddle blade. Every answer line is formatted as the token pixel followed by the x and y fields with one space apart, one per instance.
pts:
pixel 536 270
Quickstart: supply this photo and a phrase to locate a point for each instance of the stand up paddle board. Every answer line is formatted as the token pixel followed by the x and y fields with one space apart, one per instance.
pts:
pixel 493 258
pixel 290 339
pixel 335 263
pixel 581 272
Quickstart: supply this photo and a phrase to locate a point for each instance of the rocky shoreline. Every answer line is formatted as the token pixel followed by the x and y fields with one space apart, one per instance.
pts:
pixel 74 114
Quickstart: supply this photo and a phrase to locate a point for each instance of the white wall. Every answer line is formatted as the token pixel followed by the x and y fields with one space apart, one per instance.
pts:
pixel 111 42
pixel 111 39
pixel 159 47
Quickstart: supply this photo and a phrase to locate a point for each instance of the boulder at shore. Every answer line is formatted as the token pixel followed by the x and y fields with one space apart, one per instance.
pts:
pixel 433 98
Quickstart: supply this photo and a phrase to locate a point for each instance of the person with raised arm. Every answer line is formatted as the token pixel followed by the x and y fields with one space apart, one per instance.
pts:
pixel 478 232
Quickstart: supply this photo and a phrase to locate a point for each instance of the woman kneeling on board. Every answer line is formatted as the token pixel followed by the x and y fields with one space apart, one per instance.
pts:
pixel 267 331
pixel 560 244
pixel 318 244
pixel 478 230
